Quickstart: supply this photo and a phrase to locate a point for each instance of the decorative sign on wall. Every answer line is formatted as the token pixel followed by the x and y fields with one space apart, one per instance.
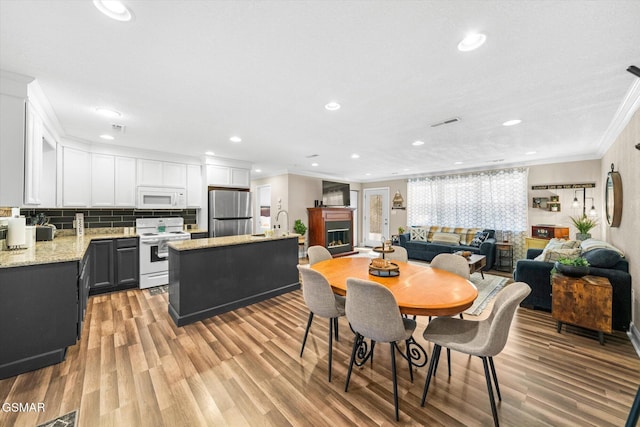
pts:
pixel 563 186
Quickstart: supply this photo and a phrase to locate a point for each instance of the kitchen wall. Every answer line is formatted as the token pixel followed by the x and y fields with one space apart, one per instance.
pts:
pixel 626 160
pixel 108 218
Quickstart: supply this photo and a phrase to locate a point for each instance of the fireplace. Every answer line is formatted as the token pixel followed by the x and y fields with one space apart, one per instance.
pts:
pixel 333 229
pixel 338 238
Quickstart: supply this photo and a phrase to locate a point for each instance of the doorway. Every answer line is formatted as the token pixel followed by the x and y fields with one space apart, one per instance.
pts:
pixel 263 209
pixel 375 216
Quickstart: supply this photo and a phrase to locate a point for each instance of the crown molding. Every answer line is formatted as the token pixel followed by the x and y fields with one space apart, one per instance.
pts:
pixel 626 110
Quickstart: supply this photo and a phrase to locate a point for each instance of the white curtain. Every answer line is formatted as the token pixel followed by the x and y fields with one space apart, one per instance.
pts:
pixel 491 199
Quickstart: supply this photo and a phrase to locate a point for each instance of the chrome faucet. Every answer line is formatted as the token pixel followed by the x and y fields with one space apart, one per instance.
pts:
pixel 278 216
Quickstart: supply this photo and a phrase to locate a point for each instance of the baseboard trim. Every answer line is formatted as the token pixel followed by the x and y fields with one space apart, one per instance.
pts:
pixel 634 336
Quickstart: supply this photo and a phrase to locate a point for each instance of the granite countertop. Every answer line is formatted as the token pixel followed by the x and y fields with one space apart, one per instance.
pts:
pixel 197 230
pixel 60 249
pixel 211 242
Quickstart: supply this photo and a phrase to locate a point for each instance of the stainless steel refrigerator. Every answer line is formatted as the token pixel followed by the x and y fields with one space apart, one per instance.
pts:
pixel 229 213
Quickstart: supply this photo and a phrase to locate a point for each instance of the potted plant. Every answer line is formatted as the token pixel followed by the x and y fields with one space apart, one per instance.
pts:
pixel 401 230
pixel 584 224
pixel 299 227
pixel 574 267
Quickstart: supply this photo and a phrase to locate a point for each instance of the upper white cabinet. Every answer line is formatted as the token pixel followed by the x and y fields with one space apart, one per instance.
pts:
pixel 194 186
pixel 32 157
pixel 102 180
pixel 113 181
pixel 76 177
pixel 165 174
pixel 227 176
pixel 125 179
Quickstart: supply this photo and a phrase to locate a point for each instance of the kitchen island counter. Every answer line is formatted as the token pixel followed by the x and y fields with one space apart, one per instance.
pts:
pixel 211 276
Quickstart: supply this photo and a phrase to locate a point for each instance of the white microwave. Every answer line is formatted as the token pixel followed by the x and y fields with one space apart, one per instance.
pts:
pixel 161 198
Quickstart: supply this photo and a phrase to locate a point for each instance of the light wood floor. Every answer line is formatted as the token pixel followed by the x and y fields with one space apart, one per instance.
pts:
pixel 133 367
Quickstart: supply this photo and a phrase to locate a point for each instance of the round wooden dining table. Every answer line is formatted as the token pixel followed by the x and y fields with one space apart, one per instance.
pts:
pixel 419 290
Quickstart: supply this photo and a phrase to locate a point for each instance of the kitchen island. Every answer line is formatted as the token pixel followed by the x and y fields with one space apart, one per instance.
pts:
pixel 215 275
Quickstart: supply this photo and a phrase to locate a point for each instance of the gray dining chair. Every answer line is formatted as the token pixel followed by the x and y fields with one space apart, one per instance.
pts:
pixel 484 338
pixel 318 253
pixel 457 265
pixel 399 254
pixel 373 313
pixel 320 299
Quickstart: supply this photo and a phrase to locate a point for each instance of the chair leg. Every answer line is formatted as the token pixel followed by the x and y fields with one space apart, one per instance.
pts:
pixel 356 344
pixel 495 377
pixel 373 344
pixel 331 323
pixel 335 327
pixel 306 332
pixel 409 360
pixel 434 361
pixel 492 399
pixel 395 381
pixel 449 360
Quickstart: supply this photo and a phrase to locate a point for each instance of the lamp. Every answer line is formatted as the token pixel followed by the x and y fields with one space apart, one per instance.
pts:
pixel 576 203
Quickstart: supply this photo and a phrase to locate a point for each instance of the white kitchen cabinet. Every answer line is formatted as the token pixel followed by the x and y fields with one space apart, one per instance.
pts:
pixel 149 172
pixel 194 186
pixel 154 173
pixel 76 178
pixel 125 182
pixel 102 180
pixel 239 177
pixel 32 157
pixel 113 181
pixel 227 176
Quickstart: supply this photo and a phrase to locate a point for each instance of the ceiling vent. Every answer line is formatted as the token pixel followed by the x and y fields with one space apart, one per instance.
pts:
pixel 446 122
pixel 311 156
pixel 118 128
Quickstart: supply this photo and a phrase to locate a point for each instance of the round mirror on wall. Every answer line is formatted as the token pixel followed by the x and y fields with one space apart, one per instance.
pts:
pixel 613 198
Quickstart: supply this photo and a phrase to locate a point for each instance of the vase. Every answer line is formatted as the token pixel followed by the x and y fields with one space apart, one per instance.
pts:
pixel 583 236
pixel 572 270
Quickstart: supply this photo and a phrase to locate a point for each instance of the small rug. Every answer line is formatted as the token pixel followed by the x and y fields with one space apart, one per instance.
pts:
pixel 159 289
pixel 67 420
pixel 488 288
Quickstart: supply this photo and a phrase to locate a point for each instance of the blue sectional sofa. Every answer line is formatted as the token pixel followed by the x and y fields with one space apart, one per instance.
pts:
pixel 426 251
pixel 537 274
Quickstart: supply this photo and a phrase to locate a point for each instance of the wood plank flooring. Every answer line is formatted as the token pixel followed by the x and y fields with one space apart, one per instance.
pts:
pixel 133 367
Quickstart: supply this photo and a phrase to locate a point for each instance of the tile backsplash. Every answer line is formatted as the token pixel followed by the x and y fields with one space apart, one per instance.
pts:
pixel 108 218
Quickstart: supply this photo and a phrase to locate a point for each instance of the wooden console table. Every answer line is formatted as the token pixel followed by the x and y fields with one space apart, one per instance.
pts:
pixel 582 301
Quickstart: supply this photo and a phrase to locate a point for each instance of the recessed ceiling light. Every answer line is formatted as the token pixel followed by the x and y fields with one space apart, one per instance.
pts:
pixel 108 137
pixel 417 143
pixel 458 163
pixel 512 122
pixel 107 112
pixel 114 9
pixel 314 164
pixel 235 139
pixel 355 156
pixel 210 153
pixel 258 170
pixel 332 106
pixel 528 153
pixel 368 174
pixel 471 41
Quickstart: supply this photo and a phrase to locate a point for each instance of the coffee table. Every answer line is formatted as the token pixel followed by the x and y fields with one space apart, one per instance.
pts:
pixel 477 263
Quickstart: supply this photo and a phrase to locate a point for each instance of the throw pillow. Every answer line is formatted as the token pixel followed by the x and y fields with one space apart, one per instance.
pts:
pixel 591 244
pixel 418 233
pixel 552 255
pixel 446 238
pixel 602 258
pixel 562 244
pixel 433 229
pixel 480 237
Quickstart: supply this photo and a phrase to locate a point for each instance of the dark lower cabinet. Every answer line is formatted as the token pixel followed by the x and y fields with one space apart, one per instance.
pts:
pixel 39 315
pixel 84 283
pixel 114 265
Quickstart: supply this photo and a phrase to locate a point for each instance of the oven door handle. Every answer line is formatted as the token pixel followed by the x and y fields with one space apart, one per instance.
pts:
pixel 162 255
pixel 151 242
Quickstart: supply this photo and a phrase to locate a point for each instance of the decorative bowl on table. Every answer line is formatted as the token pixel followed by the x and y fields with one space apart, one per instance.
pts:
pixel 465 254
pixel 571 270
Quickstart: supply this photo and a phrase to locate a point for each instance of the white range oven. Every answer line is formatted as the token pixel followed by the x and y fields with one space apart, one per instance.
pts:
pixel 154 234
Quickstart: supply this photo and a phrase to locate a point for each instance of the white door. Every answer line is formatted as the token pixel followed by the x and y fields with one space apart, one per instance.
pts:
pixel 375 216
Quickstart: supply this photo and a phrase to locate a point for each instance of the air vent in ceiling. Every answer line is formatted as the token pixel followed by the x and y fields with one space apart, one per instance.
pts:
pixel 118 128
pixel 311 156
pixel 446 122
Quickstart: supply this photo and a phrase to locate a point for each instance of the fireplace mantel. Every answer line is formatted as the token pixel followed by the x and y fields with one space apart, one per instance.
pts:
pixel 333 229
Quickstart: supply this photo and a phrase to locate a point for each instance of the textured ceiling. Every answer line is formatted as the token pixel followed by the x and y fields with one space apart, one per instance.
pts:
pixel 187 75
